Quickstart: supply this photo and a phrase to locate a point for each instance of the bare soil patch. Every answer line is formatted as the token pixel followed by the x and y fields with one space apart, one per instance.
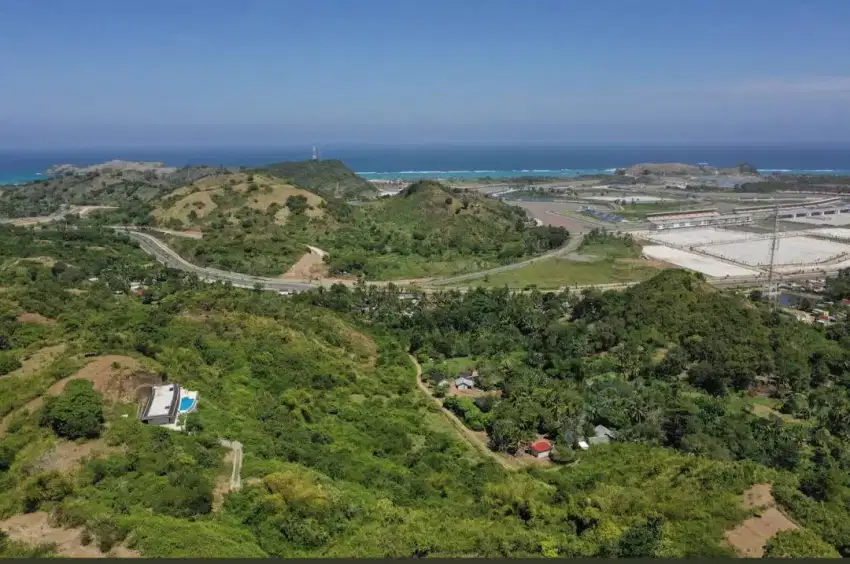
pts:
pixel 38 360
pixel 310 266
pixel 37 318
pixel 542 211
pixel 750 537
pixel 66 456
pixel 114 376
pixel 36 528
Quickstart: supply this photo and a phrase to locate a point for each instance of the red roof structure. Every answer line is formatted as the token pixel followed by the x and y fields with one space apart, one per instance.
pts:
pixel 540 446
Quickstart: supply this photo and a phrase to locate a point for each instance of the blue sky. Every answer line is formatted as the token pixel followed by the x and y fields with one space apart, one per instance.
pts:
pixel 272 72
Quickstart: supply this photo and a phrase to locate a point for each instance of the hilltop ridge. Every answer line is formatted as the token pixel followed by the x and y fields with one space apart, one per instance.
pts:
pixel 326 177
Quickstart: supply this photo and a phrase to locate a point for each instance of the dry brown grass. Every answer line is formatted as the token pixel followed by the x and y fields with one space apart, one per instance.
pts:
pixel 199 197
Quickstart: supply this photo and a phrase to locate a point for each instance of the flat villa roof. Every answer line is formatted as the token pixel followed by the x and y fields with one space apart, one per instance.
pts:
pixel 163 400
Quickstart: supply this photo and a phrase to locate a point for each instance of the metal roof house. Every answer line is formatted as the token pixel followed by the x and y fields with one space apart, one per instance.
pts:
pixel 601 435
pixel 162 406
pixel 464 383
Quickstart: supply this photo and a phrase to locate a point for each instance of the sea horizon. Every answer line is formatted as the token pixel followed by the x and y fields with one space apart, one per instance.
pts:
pixel 449 161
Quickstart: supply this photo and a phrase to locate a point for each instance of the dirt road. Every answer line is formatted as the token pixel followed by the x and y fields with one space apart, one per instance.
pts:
pixel 465 432
pixel 236 471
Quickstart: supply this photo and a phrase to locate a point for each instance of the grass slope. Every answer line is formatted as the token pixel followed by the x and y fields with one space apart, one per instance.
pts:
pixel 606 259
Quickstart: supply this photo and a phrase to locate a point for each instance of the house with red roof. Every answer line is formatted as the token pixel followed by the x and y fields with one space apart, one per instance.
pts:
pixel 540 448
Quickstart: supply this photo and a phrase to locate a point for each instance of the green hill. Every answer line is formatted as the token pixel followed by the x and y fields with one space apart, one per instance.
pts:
pixel 125 188
pixel 427 230
pixel 328 178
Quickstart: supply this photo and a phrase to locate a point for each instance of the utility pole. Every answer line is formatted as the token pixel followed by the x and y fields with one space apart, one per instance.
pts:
pixel 772 296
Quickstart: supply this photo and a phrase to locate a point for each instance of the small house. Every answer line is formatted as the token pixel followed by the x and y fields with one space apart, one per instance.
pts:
pixel 464 383
pixel 601 435
pixel 167 404
pixel 162 405
pixel 540 449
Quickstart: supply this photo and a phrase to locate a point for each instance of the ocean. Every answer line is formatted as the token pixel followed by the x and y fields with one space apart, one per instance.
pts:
pixel 411 162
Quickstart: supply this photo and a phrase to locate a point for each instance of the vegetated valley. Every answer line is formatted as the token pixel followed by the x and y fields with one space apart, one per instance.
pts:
pixel 714 398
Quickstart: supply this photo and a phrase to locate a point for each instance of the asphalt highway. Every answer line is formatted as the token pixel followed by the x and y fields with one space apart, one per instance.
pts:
pixel 166 255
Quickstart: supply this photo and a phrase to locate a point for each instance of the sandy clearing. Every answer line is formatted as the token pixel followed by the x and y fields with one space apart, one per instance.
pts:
pixel 700 263
pixel 35 528
pixel 750 537
pixel 37 318
pixel 311 265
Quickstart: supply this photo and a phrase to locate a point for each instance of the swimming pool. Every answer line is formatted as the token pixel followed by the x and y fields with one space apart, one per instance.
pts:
pixel 186 403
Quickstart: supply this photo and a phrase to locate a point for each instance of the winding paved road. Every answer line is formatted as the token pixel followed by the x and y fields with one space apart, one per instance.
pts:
pixel 166 255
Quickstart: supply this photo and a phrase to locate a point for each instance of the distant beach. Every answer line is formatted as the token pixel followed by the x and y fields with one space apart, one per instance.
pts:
pixel 466 162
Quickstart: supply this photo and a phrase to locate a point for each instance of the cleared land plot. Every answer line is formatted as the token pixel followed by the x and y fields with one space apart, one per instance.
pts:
pixel 544 211
pixel 696 237
pixel 792 250
pixel 700 263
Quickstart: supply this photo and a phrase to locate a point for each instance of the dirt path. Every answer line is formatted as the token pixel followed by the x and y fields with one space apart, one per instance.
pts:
pixel 750 537
pixel 234 481
pixel 467 434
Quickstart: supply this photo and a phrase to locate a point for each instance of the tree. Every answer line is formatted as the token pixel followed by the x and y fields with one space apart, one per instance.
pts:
pixel 641 540
pixel 297 204
pixel 75 413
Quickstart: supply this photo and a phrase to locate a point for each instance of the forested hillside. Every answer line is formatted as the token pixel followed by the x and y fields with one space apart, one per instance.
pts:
pixel 344 456
pixel 670 362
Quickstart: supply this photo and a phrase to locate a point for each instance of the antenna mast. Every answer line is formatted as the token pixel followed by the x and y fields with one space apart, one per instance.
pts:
pixel 771 295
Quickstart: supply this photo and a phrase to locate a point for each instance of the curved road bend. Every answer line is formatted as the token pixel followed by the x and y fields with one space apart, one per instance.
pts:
pixel 572 245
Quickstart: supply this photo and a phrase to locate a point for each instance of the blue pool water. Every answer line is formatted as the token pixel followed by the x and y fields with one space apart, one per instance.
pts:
pixel 186 403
